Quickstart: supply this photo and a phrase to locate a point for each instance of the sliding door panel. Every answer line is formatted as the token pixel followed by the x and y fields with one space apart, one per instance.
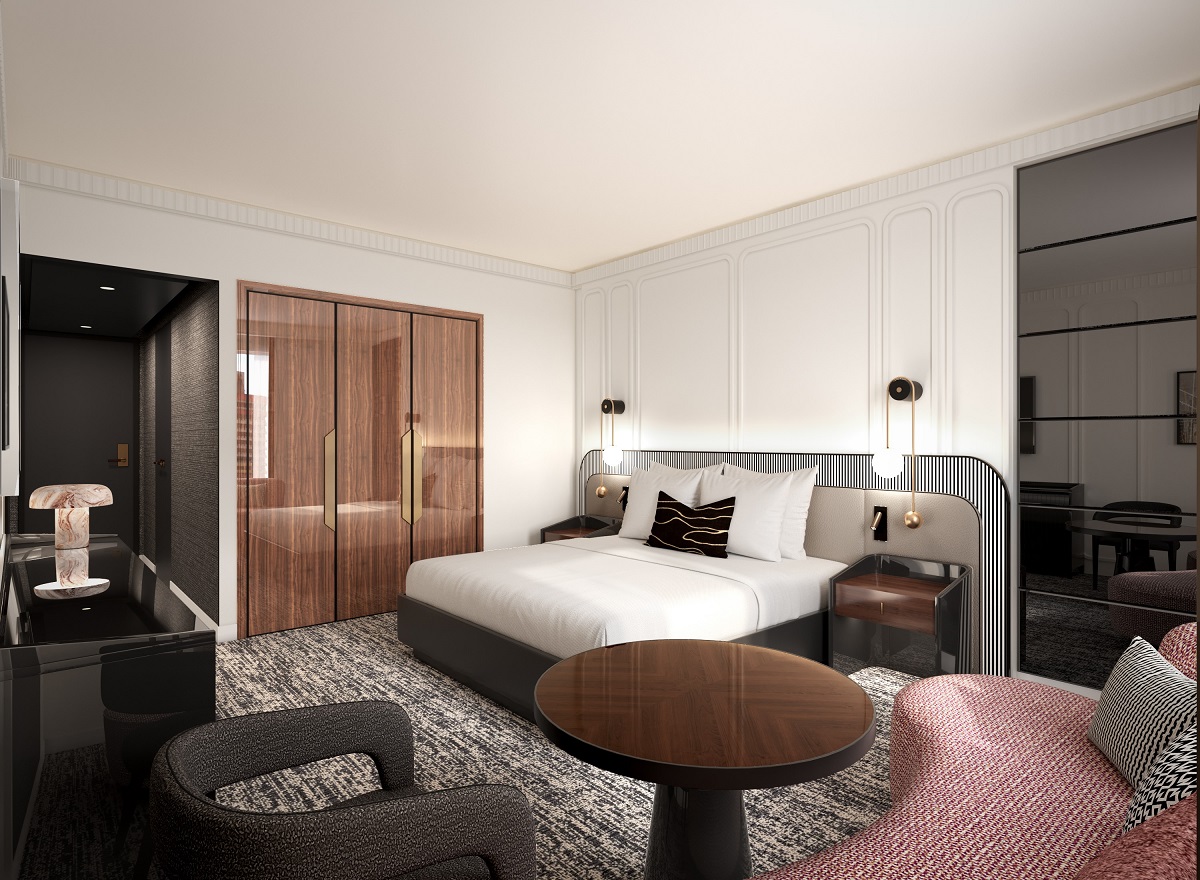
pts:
pixel 373 547
pixel 445 397
pixel 289 409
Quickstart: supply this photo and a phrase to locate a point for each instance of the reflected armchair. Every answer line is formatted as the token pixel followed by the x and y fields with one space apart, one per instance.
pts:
pixel 399 831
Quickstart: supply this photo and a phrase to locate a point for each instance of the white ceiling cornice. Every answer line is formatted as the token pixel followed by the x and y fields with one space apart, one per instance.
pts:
pixel 114 189
pixel 1172 108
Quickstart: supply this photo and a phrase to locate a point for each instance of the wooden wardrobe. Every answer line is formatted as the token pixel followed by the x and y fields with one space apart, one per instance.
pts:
pixel 359 451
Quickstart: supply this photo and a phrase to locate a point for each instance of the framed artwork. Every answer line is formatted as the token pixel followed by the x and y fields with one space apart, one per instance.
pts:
pixel 1185 405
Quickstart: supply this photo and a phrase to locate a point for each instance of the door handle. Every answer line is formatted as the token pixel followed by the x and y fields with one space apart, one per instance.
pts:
pixel 331 480
pixel 412 454
pixel 122 459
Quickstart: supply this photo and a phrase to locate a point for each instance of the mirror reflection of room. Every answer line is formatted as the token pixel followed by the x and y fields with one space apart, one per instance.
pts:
pixel 1107 361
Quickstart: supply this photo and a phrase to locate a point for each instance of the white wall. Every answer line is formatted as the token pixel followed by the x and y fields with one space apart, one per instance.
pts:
pixel 785 341
pixel 529 341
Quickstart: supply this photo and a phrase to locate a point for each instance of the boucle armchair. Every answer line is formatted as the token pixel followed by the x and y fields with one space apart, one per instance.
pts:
pixel 399 831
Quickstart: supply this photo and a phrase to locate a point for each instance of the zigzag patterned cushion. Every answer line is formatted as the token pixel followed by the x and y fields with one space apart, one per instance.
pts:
pixel 703 530
pixel 1169 780
pixel 1145 704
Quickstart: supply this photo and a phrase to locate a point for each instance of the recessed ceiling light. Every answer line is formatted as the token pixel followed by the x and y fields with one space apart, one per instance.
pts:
pixel 102 287
pixel 85 326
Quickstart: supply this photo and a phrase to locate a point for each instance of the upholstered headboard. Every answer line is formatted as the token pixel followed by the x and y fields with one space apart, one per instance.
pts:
pixel 964 507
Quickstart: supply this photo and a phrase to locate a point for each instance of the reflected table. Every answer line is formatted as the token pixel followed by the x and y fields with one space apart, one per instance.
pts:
pixel 704 720
pixel 1136 530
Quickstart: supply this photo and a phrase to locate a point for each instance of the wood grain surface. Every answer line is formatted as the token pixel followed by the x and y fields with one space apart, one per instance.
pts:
pixel 445 410
pixel 895 600
pixel 290 554
pixel 373 544
pixel 705 714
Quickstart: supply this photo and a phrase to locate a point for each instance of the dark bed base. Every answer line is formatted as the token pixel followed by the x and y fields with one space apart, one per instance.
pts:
pixel 506 670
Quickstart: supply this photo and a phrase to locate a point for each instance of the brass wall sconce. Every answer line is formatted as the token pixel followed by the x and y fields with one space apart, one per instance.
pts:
pixel 612 455
pixel 888 463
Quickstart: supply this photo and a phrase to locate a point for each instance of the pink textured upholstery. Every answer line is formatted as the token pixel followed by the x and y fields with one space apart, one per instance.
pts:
pixel 1163 848
pixel 1179 646
pixel 991 778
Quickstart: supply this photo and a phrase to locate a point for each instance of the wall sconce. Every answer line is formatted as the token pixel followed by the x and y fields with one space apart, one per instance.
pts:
pixel 612 454
pixel 888 463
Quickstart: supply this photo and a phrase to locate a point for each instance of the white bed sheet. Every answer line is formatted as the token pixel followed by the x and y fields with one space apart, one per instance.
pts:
pixel 570 596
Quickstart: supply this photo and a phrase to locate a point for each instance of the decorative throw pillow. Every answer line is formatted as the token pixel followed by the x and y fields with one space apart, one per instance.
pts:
pixel 644 487
pixel 1169 780
pixel 758 520
pixel 795 515
pixel 1145 704
pixel 703 530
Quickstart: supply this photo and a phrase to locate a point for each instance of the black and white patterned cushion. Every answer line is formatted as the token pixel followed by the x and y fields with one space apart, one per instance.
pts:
pixel 1169 780
pixel 703 530
pixel 1145 704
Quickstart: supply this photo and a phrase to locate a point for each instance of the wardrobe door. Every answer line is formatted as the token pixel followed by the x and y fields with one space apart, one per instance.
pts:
pixel 446 441
pixel 289 503
pixel 373 548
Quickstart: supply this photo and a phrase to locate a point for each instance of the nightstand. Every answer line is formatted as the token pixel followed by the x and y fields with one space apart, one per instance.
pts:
pixel 915 611
pixel 575 527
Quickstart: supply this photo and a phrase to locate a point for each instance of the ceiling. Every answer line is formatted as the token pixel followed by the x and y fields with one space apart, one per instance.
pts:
pixel 64 296
pixel 554 132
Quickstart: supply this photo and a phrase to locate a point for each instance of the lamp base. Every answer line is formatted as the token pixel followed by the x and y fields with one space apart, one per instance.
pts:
pixel 55 590
pixel 913 520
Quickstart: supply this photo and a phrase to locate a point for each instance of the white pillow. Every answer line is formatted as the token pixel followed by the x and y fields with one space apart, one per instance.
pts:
pixel 758 509
pixel 712 468
pixel 644 487
pixel 795 517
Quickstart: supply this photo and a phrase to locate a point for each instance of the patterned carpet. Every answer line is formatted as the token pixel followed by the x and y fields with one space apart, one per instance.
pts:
pixel 591 824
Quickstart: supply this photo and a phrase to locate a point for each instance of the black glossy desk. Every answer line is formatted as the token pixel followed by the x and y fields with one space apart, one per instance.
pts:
pixel 90 687
pixel 1139 532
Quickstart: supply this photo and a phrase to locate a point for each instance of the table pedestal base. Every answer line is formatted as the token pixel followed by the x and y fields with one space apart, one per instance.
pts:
pixel 697 835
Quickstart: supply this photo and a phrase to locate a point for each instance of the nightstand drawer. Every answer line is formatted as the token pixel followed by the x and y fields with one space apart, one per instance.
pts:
pixel 903 601
pixel 906 612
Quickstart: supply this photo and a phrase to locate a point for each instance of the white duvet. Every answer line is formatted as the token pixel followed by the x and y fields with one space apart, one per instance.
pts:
pixel 569 596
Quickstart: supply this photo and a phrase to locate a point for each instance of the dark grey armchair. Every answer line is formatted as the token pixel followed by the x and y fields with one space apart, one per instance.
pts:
pixel 400 831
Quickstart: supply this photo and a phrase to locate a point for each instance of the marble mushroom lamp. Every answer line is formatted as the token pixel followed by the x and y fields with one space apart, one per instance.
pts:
pixel 71 503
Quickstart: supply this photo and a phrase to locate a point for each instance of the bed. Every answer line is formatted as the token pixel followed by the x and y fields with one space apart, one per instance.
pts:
pixel 497 620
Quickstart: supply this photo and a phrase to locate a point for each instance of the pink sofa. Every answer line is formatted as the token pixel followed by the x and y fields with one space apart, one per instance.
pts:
pixel 993 778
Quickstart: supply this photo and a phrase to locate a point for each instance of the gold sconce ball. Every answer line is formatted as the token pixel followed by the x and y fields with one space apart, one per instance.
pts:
pixel 912 519
pixel 601 491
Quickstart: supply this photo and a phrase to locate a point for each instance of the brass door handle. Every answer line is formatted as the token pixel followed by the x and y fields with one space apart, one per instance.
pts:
pixel 331 480
pixel 412 469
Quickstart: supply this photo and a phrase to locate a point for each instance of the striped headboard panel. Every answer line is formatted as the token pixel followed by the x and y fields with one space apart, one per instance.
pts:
pixel 961 476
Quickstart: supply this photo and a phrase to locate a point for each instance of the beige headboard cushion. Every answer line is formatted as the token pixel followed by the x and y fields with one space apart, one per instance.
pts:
pixel 839 523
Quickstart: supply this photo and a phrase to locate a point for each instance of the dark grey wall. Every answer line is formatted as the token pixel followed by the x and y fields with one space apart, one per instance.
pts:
pixel 193 468
pixel 191 559
pixel 79 399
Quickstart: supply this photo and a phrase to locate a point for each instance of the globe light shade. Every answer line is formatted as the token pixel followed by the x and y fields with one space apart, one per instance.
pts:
pixel 613 456
pixel 887 463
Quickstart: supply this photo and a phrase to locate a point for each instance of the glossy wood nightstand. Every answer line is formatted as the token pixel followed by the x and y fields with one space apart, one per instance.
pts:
pixel 895 597
pixel 575 527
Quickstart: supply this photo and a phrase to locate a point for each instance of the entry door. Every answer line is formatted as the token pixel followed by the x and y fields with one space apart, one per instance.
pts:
pixel 290 502
pixel 373 403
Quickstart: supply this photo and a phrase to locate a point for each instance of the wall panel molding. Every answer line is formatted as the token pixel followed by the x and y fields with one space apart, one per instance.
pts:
pixel 1175 107
pixel 161 198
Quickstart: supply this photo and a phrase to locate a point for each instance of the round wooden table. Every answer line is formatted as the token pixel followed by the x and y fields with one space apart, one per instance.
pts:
pixel 704 720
